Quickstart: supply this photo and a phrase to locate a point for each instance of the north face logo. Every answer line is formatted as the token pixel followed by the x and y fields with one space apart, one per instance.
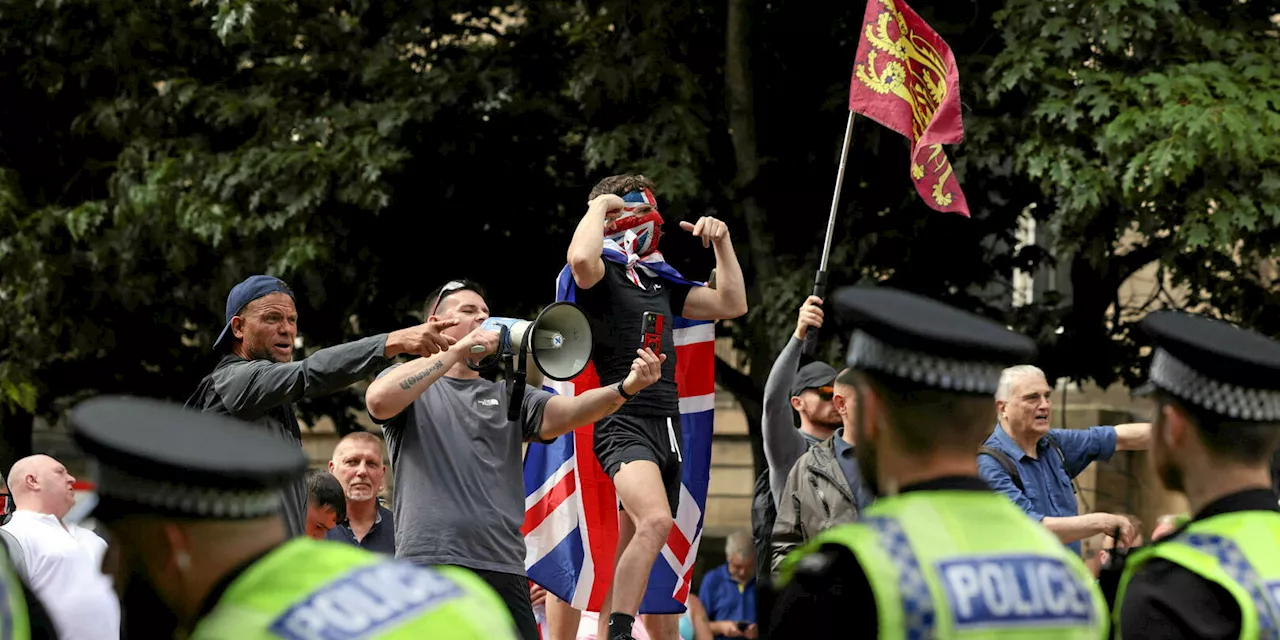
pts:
pixel 487 402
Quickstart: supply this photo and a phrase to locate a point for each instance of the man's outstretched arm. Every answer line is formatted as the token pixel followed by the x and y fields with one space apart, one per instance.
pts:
pixel 563 414
pixel 258 385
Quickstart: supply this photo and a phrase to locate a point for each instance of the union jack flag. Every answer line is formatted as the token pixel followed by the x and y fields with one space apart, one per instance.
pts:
pixel 571 511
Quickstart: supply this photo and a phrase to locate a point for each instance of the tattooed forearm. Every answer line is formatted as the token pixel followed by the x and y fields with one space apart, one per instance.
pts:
pixel 408 383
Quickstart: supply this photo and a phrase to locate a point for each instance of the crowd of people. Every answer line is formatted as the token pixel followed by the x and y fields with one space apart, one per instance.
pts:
pixel 971 523
pixel 452 531
pixel 918 491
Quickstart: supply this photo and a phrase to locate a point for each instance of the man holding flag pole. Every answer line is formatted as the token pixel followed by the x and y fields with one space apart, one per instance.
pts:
pixel 656 450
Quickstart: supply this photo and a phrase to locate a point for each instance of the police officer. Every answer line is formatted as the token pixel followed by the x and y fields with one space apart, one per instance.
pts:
pixel 191 501
pixel 1216 389
pixel 938 555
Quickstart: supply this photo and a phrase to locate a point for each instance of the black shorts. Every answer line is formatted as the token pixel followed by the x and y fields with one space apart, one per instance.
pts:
pixel 623 438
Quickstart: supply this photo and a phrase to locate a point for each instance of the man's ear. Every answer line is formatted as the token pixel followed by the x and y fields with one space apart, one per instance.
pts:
pixel 1174 427
pixel 176 541
pixel 797 403
pixel 841 403
pixel 331 465
pixel 237 327
pixel 1000 405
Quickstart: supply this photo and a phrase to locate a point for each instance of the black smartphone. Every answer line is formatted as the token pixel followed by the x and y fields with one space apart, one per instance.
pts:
pixel 742 626
pixel 652 327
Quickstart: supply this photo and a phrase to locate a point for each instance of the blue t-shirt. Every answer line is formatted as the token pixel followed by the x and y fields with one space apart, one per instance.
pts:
pixel 1047 477
pixel 725 599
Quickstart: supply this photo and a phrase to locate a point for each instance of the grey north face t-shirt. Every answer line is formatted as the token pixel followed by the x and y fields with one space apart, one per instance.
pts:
pixel 459 481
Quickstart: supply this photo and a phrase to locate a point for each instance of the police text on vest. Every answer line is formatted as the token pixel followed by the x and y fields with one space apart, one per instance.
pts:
pixel 369 599
pixel 1015 590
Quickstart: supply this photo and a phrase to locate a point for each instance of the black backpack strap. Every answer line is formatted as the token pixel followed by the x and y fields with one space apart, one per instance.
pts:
pixel 1063 457
pixel 1007 463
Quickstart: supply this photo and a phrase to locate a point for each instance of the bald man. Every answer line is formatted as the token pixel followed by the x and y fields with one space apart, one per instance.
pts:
pixel 64 561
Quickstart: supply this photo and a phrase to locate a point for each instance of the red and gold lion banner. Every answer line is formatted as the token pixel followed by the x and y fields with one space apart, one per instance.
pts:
pixel 905 78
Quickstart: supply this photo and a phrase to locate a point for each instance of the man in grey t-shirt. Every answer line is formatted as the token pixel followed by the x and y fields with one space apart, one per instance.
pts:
pixel 456 459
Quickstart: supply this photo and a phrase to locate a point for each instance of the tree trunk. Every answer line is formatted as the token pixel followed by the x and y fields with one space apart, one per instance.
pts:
pixel 742 132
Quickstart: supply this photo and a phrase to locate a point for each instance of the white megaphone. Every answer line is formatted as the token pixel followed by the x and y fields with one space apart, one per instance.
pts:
pixel 559 339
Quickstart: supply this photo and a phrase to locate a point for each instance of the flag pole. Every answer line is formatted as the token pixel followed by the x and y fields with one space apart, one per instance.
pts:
pixel 820 281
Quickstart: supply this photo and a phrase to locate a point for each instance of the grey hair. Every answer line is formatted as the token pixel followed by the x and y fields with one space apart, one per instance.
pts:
pixel 1008 376
pixel 739 545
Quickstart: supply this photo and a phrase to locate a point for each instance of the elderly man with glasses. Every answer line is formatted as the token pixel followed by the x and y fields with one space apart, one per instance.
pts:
pixel 257 380
pixel 456 456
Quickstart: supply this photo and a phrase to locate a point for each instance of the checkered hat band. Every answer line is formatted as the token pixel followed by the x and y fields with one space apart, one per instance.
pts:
pixel 195 501
pixel 964 376
pixel 1239 403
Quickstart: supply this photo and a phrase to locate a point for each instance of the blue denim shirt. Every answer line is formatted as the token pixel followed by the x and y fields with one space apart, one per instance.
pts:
pixel 1047 478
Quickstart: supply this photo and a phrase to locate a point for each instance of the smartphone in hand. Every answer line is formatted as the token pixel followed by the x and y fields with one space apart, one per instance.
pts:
pixel 652 327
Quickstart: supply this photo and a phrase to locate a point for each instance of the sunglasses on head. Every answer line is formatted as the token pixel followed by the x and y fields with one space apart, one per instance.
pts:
pixel 451 287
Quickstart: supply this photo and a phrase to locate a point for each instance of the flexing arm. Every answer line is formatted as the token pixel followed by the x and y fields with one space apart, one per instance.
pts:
pixel 588 242
pixel 729 298
pixel 564 414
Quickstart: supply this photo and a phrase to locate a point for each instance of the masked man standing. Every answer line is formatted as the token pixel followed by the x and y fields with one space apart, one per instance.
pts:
pixel 939 554
pixel 258 381
pixel 619 276
pixel 1217 424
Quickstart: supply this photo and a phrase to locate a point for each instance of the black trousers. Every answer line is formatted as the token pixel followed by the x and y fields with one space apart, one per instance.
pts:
pixel 514 591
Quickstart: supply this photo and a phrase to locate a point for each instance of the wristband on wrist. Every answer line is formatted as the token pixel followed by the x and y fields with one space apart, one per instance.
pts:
pixel 623 392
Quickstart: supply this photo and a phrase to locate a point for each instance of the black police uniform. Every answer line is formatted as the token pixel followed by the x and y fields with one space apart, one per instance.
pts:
pixel 1219 369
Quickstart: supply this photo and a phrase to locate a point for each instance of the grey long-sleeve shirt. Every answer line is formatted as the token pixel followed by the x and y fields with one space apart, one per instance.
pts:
pixel 783 442
pixel 262 392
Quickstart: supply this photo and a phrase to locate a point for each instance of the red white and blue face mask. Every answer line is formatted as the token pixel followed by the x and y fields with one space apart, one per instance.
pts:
pixel 637 233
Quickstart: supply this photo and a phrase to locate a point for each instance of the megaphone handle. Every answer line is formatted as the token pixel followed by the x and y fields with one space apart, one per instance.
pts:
pixel 517 391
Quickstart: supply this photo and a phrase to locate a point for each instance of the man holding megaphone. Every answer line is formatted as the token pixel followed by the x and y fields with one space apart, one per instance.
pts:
pixel 455 452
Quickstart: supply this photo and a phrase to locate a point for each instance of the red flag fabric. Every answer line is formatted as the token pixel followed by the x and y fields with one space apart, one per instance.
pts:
pixel 905 78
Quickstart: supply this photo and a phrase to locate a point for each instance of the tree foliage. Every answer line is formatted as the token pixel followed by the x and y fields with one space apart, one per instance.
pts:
pixel 1153 132
pixel 154 153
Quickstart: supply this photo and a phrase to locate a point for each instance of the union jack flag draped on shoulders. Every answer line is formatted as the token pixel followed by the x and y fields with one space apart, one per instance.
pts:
pixel 571 510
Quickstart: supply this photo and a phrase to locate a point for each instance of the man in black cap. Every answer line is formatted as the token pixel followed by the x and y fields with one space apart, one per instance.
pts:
pixel 939 555
pixel 1216 389
pixel 258 381
pixel 191 502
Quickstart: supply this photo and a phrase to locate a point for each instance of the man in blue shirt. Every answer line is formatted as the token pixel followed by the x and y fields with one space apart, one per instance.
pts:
pixel 1048 460
pixel 728 592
